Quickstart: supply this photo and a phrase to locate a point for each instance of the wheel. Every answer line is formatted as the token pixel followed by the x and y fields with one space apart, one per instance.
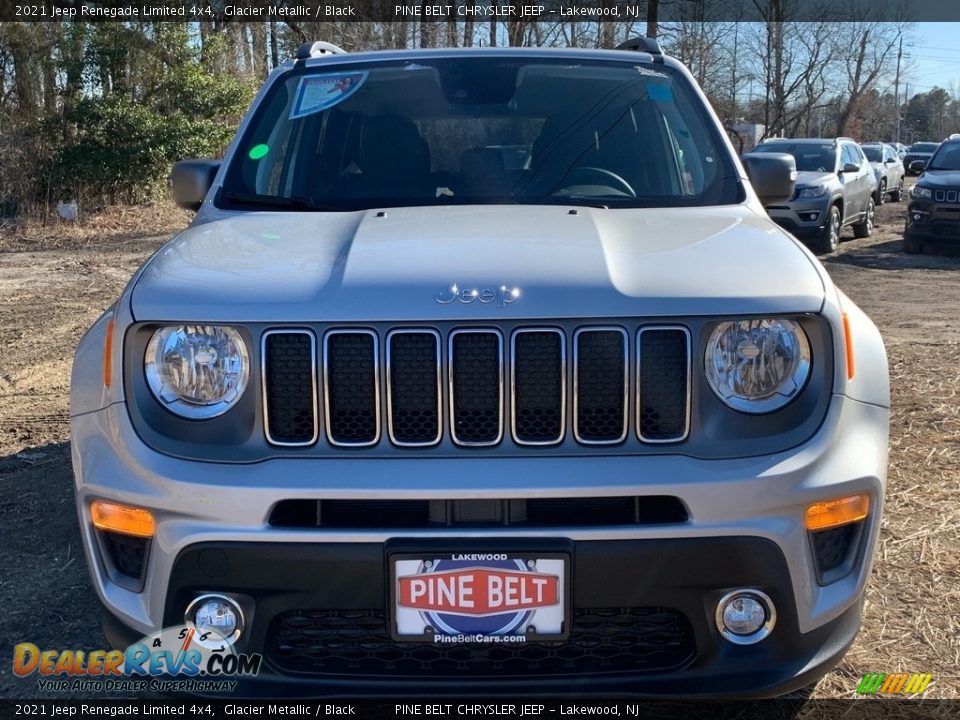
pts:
pixel 830 237
pixel 864 228
pixel 881 195
pixel 897 195
pixel 911 246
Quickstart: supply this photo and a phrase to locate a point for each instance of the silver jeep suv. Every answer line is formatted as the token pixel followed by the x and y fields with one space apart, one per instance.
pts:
pixel 836 187
pixel 485 370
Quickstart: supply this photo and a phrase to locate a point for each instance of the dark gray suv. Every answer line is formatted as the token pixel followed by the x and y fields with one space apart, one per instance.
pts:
pixel 835 188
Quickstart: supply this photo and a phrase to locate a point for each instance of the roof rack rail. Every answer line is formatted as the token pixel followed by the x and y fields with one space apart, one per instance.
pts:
pixel 316 49
pixel 642 44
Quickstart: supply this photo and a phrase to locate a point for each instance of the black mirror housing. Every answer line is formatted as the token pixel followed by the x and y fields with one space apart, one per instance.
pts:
pixel 850 168
pixel 190 181
pixel 773 176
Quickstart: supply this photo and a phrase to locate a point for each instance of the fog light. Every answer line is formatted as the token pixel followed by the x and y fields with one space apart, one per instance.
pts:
pixel 216 613
pixel 745 617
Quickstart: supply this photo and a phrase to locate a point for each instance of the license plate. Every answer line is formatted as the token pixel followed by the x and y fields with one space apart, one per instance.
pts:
pixel 476 597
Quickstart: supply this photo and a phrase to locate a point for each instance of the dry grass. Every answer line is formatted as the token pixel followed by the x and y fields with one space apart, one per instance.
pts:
pixel 912 614
pixel 111 222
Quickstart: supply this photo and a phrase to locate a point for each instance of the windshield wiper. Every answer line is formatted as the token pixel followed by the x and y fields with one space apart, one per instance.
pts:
pixel 297 202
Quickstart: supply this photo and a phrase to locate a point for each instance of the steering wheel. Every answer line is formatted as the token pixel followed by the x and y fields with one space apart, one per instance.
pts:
pixel 607 175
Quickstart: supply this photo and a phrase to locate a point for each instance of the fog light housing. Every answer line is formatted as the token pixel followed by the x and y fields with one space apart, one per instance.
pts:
pixel 745 617
pixel 217 613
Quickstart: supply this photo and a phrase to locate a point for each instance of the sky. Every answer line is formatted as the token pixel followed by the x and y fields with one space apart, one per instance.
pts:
pixel 932 56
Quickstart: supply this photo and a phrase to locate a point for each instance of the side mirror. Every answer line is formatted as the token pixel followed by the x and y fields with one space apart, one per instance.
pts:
pixel 889 161
pixel 190 181
pixel 850 167
pixel 773 176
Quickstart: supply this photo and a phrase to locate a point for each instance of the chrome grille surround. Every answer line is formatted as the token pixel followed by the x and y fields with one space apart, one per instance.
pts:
pixel 513 385
pixel 326 386
pixel 451 364
pixel 313 376
pixel 639 381
pixel 389 376
pixel 580 332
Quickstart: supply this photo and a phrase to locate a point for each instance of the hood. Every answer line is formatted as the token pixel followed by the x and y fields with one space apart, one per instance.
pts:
pixel 812 178
pixel 947 179
pixel 554 262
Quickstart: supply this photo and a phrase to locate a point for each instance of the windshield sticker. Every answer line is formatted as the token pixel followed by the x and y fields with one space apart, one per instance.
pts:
pixel 660 93
pixel 320 92
pixel 258 152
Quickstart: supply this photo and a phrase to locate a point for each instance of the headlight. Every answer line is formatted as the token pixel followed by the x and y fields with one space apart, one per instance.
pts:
pixel 811 192
pixel 197 371
pixel 920 192
pixel 757 366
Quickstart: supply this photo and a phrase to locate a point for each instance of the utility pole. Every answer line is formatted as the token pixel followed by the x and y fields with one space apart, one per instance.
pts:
pixel 896 88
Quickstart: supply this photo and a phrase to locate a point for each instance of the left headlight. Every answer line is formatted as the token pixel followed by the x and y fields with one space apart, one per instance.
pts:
pixel 197 371
pixel 806 193
pixel 757 366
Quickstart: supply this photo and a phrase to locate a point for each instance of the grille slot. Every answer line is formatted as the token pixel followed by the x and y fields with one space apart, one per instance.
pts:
pixel 476 387
pixel 413 387
pixel 127 553
pixel 663 368
pixel 600 391
pixel 834 550
pixel 351 387
pixel 538 386
pixel 514 512
pixel 290 387
pixel 602 641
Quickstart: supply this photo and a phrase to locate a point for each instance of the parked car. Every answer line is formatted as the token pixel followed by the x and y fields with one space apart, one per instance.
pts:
pixel 933 215
pixel 917 156
pixel 405 418
pixel 901 150
pixel 887 169
pixel 836 187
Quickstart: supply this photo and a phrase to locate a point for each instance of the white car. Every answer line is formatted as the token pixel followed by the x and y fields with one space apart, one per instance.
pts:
pixel 401 416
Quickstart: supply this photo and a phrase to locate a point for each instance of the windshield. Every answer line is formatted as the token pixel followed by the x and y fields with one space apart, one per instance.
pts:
pixel 810 157
pixel 946 158
pixel 873 153
pixel 923 147
pixel 442 131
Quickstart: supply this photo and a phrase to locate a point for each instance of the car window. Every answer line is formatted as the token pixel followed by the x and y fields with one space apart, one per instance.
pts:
pixel 946 158
pixel 810 157
pixel 874 153
pixel 476 130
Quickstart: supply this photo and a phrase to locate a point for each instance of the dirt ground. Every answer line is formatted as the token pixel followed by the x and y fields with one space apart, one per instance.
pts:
pixel 51 292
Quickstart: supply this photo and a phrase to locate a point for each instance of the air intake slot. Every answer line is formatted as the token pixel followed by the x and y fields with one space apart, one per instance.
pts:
pixel 663 396
pixel 413 387
pixel 539 400
pixel 600 370
pixel 476 387
pixel 351 387
pixel 290 390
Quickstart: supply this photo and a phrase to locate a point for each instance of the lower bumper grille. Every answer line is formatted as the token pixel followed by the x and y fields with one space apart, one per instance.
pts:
pixel 602 641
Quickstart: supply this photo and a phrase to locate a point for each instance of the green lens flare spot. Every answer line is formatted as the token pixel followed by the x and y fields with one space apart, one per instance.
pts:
pixel 258 151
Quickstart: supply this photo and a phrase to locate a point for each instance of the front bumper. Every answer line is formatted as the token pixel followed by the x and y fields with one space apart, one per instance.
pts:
pixel 935 222
pixel 745 529
pixel 802 218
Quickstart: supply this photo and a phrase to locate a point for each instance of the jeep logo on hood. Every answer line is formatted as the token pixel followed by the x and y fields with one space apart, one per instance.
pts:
pixel 502 296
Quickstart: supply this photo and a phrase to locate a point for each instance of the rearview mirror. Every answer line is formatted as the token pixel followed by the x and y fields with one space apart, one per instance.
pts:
pixel 190 181
pixel 850 167
pixel 773 176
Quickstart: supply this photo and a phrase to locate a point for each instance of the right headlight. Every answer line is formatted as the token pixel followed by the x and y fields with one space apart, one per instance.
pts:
pixel 197 371
pixel 757 366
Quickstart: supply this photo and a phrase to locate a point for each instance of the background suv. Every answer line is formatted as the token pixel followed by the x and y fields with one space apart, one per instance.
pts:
pixel 836 186
pixel 917 156
pixel 888 170
pixel 933 215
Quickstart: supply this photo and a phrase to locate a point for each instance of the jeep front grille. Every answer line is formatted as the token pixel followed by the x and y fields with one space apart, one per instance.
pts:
pixel 477 387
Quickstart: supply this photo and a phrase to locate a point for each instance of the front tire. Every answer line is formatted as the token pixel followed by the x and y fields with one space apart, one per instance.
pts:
pixel 911 246
pixel 830 237
pixel 864 228
pixel 881 195
pixel 897 195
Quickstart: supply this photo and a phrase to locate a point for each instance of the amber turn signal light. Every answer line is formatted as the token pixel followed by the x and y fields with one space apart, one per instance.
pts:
pixel 833 513
pixel 108 354
pixel 122 519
